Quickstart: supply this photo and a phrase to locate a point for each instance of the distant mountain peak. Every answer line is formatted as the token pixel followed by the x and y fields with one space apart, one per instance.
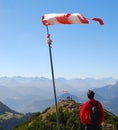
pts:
pixel 4 109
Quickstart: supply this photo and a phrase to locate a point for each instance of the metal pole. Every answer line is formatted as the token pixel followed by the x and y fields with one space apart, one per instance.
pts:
pixel 53 79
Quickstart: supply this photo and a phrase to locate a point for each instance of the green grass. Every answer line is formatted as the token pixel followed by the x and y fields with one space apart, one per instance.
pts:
pixel 9 115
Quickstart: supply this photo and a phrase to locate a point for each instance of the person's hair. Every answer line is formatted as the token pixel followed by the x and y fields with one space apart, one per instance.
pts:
pixel 90 94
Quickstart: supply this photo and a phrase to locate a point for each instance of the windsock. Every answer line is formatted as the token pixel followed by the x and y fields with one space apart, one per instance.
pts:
pixel 67 18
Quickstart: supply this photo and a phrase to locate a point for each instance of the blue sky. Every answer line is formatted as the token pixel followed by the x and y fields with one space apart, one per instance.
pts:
pixel 79 51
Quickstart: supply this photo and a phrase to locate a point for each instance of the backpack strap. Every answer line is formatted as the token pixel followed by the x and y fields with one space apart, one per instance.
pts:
pixel 97 102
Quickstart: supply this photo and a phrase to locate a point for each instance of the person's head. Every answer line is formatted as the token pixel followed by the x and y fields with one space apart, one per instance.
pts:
pixel 90 94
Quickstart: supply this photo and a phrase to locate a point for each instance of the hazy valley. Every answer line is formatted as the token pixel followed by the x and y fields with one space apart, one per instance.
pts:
pixel 25 94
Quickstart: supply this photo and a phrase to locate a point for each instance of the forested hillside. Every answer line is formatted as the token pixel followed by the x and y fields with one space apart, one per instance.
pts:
pixel 68 116
pixel 10 118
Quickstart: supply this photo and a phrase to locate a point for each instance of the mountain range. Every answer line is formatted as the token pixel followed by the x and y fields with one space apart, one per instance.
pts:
pixel 109 94
pixel 32 94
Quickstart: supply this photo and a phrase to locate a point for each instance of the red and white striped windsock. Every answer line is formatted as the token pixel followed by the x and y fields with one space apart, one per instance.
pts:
pixel 67 18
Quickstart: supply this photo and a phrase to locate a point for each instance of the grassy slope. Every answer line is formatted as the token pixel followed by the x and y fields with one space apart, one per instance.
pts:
pixel 111 121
